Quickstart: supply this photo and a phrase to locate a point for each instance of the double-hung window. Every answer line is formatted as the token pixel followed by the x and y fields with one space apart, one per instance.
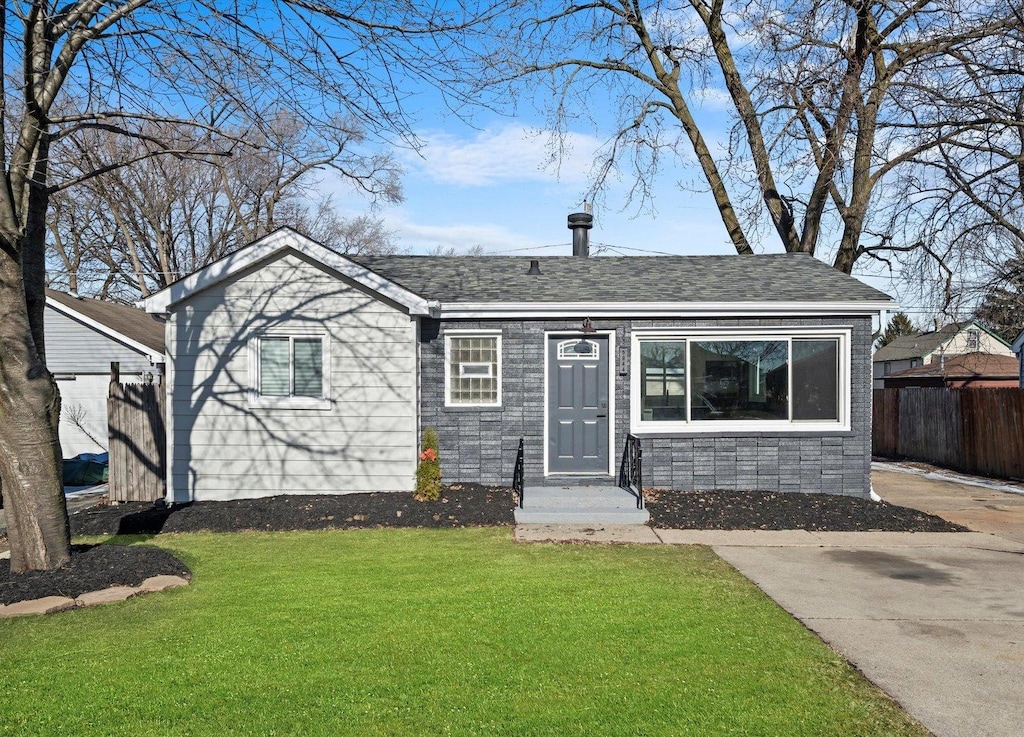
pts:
pixel 289 370
pixel 711 382
pixel 472 369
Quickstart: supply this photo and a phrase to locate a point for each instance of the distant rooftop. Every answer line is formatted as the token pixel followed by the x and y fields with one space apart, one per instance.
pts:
pixel 921 344
pixel 129 321
pixel 967 366
pixel 917 346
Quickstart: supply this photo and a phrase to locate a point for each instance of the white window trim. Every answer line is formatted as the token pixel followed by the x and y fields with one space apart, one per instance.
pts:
pixel 640 427
pixel 448 335
pixel 261 402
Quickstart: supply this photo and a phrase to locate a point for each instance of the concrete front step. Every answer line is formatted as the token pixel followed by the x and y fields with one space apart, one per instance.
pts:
pixel 579 505
pixel 570 516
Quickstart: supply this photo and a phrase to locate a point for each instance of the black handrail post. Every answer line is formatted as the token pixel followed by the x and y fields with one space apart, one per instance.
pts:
pixel 639 476
pixel 631 469
pixel 517 474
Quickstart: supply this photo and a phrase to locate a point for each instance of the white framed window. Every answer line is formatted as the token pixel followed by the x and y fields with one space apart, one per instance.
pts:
pixel 714 381
pixel 472 369
pixel 974 340
pixel 576 349
pixel 289 370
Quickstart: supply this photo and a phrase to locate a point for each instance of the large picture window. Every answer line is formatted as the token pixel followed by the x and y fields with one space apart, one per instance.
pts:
pixel 289 370
pixel 719 382
pixel 473 370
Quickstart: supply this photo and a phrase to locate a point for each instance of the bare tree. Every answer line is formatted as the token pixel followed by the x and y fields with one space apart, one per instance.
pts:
pixel 1002 306
pixel 969 185
pixel 167 216
pixel 816 89
pixel 77 67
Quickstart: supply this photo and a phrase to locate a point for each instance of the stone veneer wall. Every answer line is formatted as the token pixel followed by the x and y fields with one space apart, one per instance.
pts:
pixel 479 444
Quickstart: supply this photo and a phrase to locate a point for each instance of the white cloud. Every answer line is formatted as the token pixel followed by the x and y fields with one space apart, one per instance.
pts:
pixel 513 153
pixel 712 98
pixel 417 237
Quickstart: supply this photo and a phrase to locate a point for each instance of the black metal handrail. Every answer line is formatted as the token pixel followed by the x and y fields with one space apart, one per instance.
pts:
pixel 631 477
pixel 517 474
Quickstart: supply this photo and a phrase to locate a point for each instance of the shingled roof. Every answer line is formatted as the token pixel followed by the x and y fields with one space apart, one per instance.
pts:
pixel 966 366
pixel 916 346
pixel 131 322
pixel 562 279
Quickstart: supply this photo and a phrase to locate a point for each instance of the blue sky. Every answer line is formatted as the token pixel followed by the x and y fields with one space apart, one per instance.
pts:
pixel 495 186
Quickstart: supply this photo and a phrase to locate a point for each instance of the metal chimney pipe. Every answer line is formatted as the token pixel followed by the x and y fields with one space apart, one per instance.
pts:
pixel 580 223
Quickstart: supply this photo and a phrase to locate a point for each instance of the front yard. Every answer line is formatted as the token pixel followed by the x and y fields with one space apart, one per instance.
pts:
pixel 434 632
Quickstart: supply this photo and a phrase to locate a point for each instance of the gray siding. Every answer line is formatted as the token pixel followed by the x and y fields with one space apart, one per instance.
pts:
pixel 480 444
pixel 75 348
pixel 224 448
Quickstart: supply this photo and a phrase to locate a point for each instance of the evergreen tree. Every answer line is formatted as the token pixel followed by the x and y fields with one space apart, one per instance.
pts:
pixel 899 326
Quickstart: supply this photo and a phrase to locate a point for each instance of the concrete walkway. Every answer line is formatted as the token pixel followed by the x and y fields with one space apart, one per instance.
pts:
pixel 934 619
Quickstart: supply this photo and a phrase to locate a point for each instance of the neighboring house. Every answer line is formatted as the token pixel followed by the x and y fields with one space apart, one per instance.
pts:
pixel 967 371
pixel 1018 349
pixel 295 369
pixel 83 337
pixel 955 339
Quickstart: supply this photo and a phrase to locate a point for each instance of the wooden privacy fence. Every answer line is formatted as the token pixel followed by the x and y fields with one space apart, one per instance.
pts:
pixel 978 431
pixel 136 427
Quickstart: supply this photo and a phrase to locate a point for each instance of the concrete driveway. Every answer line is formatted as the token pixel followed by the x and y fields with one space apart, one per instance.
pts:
pixel 935 620
pixel 981 504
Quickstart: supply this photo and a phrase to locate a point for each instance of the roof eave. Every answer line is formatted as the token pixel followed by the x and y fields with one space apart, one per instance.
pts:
pixel 659 309
pixel 268 247
pixel 153 354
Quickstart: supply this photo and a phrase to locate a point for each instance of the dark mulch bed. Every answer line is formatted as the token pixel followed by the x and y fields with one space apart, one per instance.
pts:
pixel 759 510
pixel 461 505
pixel 92 567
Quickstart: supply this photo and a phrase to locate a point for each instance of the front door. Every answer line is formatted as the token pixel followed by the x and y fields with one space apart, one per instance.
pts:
pixel 577 396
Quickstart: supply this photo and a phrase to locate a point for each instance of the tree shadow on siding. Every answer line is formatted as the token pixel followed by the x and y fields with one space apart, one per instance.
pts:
pixel 228 444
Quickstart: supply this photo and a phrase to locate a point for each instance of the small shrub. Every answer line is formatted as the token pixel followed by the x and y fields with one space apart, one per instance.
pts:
pixel 428 471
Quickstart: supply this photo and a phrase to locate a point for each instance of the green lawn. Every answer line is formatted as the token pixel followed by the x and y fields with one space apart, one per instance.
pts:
pixel 434 632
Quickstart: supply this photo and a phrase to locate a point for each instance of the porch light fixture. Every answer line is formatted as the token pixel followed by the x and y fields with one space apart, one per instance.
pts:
pixel 588 326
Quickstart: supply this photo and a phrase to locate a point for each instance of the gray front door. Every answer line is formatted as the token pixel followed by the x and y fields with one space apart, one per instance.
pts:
pixel 577 389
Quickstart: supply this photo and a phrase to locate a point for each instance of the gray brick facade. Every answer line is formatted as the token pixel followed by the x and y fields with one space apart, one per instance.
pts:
pixel 479 444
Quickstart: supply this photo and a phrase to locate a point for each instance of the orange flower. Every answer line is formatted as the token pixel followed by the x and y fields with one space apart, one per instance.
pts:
pixel 429 455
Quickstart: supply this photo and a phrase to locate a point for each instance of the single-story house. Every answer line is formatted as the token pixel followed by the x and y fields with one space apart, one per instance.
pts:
pixel 83 337
pixel 1018 349
pixel 955 339
pixel 966 371
pixel 295 369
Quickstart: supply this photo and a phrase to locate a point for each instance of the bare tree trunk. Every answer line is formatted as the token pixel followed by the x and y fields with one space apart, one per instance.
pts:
pixel 30 457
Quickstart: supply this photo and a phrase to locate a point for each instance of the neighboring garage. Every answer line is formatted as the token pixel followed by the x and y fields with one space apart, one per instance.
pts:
pixel 83 337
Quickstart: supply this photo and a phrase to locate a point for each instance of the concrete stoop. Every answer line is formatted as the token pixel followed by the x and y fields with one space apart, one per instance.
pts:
pixel 580 505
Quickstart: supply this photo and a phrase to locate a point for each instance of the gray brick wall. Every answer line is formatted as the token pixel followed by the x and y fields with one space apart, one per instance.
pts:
pixel 480 444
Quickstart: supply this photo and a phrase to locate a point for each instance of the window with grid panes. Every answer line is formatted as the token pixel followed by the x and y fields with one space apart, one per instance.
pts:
pixel 473 370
